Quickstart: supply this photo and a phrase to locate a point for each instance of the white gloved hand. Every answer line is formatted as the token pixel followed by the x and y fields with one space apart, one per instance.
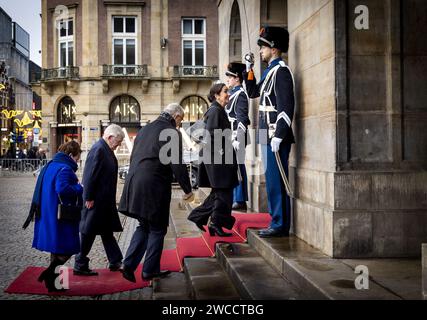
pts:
pixel 275 144
pixel 236 145
pixel 234 135
pixel 249 60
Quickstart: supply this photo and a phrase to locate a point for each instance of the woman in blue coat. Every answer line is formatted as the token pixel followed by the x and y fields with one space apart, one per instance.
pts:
pixel 59 237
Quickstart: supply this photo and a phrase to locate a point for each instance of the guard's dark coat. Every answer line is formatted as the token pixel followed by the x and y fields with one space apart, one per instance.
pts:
pixel 99 184
pixel 147 190
pixel 281 97
pixel 220 169
pixel 238 109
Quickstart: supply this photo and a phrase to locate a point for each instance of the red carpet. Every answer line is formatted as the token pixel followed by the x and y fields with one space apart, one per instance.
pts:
pixel 250 220
pixel 108 282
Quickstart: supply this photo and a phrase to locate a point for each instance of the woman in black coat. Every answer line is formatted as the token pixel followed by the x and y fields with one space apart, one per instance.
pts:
pixel 218 167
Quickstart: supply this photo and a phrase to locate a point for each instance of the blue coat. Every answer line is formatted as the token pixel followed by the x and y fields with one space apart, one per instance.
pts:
pixel 100 185
pixel 51 235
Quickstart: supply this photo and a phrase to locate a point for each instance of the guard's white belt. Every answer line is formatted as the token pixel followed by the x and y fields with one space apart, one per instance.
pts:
pixel 267 108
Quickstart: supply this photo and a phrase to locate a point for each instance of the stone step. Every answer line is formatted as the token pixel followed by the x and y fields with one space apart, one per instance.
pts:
pixel 138 294
pixel 314 273
pixel 252 276
pixel 200 195
pixel 172 287
pixel 208 281
pixel 182 228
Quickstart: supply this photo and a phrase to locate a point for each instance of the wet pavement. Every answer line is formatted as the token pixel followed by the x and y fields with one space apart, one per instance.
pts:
pixel 16 253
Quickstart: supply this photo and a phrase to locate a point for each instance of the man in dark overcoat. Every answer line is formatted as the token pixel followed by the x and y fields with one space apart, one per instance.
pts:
pixel 100 215
pixel 148 189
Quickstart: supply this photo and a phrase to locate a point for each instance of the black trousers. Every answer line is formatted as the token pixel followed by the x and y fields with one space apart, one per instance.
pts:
pixel 218 206
pixel 148 240
pixel 111 247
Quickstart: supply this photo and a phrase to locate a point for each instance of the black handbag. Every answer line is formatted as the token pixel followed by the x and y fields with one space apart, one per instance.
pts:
pixel 69 212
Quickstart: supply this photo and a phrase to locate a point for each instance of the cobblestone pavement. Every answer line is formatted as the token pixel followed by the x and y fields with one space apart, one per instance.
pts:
pixel 15 243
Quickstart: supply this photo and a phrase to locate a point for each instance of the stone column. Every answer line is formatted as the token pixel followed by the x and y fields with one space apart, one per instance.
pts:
pixel 313 157
pixel 357 169
pixel 89 39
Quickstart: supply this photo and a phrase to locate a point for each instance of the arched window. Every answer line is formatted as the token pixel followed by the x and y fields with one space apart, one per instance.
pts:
pixel 194 108
pixel 235 34
pixel 125 109
pixel 66 110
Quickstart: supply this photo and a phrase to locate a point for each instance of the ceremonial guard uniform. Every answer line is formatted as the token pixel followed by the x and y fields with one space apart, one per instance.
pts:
pixel 237 111
pixel 276 111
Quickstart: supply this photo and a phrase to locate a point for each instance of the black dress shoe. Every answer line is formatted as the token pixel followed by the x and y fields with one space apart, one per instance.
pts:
pixel 241 206
pixel 272 233
pixel 49 277
pixel 213 229
pixel 115 267
pixel 84 272
pixel 201 227
pixel 161 274
pixel 128 275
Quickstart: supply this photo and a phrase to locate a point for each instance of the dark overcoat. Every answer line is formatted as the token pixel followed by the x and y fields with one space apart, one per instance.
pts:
pixel 99 184
pixel 147 190
pixel 218 166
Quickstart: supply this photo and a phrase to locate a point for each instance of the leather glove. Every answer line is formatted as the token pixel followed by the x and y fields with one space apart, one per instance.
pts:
pixel 236 145
pixel 249 60
pixel 189 197
pixel 275 144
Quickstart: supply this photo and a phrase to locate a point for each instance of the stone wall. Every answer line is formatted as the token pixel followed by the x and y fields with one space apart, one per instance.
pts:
pixel 424 272
pixel 312 163
pixel 380 207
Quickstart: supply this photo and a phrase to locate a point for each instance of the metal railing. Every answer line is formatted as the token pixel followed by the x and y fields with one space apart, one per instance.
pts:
pixel 124 71
pixel 35 77
pixel 21 166
pixel 59 73
pixel 195 72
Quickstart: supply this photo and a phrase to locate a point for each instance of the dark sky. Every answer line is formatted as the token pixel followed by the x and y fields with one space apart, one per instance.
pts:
pixel 27 14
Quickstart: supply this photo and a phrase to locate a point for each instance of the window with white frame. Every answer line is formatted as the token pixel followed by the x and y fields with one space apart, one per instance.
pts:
pixel 193 41
pixel 124 44
pixel 65 42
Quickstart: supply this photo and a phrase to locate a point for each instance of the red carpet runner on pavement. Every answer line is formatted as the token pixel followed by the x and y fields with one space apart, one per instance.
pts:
pixel 108 282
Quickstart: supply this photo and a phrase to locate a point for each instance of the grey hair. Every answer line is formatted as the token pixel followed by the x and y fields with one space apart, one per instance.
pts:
pixel 174 109
pixel 113 130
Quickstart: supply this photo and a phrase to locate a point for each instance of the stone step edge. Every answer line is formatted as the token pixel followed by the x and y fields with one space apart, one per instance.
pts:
pixel 190 285
pixel 237 279
pixel 290 270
